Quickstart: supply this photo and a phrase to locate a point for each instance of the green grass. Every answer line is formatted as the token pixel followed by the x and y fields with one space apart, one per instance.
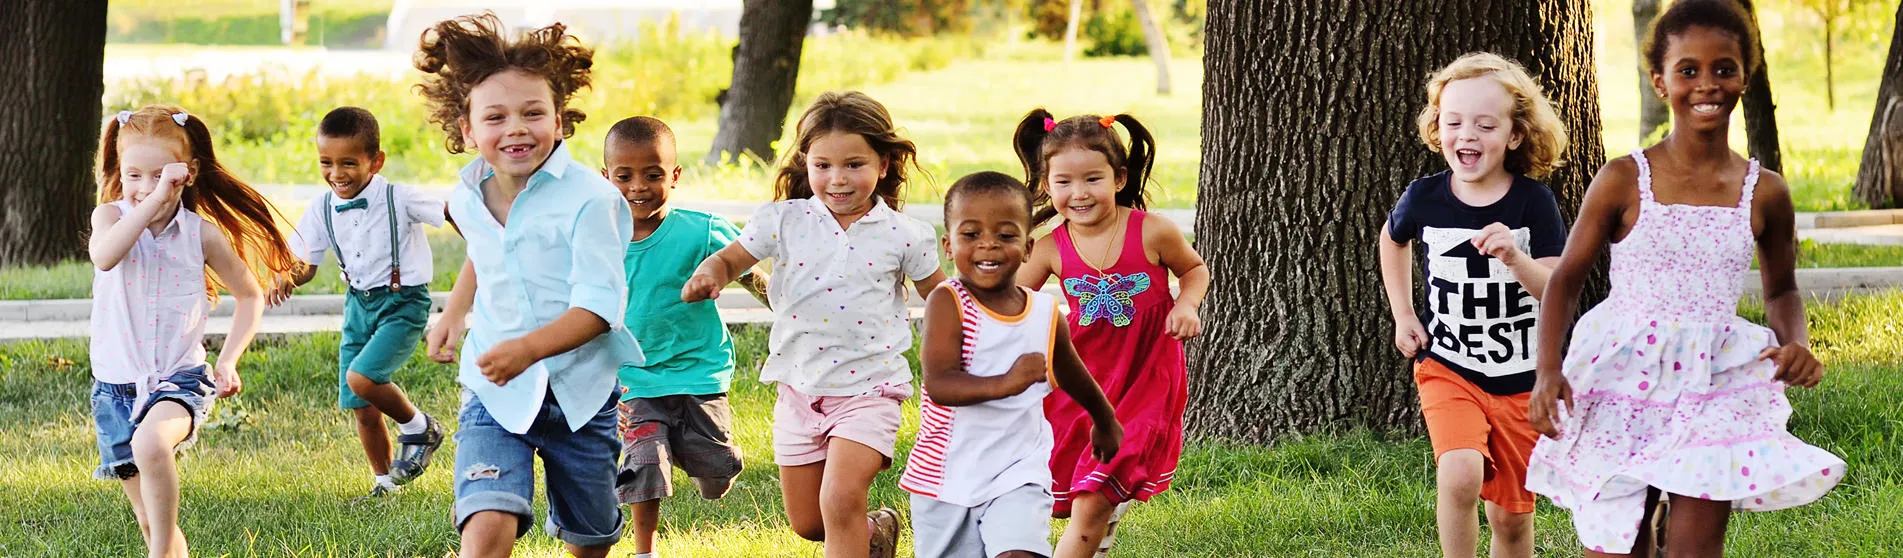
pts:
pixel 277 468
pixel 1813 255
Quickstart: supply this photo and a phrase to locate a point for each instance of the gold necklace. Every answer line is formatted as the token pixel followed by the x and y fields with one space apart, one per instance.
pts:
pixel 1109 247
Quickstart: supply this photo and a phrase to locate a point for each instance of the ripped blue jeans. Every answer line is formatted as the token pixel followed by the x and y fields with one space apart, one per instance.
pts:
pixel 495 471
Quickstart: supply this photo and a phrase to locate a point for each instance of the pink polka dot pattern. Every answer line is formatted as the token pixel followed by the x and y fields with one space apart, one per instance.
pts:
pixel 1694 411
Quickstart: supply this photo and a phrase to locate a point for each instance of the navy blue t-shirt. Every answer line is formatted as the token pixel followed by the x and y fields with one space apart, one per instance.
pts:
pixel 1481 322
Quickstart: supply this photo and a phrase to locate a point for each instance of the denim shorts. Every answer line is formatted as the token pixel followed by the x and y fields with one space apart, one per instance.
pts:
pixel 495 471
pixel 115 419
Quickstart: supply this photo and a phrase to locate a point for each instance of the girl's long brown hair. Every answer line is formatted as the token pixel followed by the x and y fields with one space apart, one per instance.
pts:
pixel 248 220
pixel 850 112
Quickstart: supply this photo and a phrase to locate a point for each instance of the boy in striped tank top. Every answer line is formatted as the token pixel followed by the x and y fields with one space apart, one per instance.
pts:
pixel 980 475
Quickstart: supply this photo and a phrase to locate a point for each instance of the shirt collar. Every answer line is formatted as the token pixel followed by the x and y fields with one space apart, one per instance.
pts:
pixel 554 168
pixel 879 211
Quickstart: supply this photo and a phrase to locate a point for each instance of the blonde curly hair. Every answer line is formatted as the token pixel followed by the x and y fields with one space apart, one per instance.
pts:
pixel 1542 135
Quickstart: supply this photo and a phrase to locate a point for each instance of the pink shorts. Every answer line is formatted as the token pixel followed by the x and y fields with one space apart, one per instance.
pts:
pixel 803 424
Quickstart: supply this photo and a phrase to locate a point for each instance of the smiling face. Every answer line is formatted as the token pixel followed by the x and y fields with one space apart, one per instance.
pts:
pixel 141 160
pixel 844 172
pixel 1476 128
pixel 346 166
pixel 1083 185
pixel 513 122
pixel 987 237
pixel 1702 77
pixel 644 172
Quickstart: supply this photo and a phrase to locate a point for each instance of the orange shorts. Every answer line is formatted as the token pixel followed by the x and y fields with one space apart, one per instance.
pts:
pixel 1462 416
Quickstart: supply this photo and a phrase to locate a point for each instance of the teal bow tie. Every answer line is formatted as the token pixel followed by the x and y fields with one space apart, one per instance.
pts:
pixel 359 203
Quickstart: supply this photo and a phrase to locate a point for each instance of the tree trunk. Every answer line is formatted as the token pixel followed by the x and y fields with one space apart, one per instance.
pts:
pixel 1830 74
pixel 1303 157
pixel 766 66
pixel 52 58
pixel 1070 29
pixel 1760 111
pixel 1156 42
pixel 1880 176
pixel 1652 110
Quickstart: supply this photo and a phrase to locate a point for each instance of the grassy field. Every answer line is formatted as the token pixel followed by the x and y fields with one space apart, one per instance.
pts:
pixel 278 467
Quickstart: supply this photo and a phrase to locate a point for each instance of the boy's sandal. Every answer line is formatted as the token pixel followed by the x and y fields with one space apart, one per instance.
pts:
pixel 885 533
pixel 415 450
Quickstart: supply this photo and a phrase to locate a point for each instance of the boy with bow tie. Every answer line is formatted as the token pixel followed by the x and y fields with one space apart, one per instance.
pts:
pixel 376 228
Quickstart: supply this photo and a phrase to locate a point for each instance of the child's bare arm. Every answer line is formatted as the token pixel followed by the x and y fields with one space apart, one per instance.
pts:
pixel 715 272
pixel 1600 217
pixel 926 285
pixel 1192 276
pixel 942 361
pixel 447 336
pixel 1037 267
pixel 508 359
pixel 754 281
pixel 1397 281
pixel 238 279
pixel 1783 303
pixel 1068 371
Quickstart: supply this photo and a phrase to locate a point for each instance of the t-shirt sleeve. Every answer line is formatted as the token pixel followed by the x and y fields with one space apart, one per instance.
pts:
pixel 1547 228
pixel 720 233
pixel 1402 225
pixel 920 256
pixel 761 238
pixel 420 207
pixel 309 240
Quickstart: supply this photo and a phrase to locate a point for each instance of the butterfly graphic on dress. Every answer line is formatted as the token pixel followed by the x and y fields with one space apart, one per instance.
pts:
pixel 1107 297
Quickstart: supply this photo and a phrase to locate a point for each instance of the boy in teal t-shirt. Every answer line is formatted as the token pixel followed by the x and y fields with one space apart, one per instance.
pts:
pixel 674 412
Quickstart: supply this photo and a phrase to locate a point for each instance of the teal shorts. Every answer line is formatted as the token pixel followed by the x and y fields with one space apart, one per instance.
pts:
pixel 381 329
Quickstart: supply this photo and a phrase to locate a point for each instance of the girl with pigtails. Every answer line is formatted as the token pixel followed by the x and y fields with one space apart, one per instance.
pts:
pixel 1115 262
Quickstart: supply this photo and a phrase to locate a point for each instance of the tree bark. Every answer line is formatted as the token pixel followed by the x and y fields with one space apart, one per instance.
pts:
pixel 1156 42
pixel 1303 154
pixel 1652 110
pixel 766 67
pixel 1880 175
pixel 1070 29
pixel 1760 111
pixel 52 58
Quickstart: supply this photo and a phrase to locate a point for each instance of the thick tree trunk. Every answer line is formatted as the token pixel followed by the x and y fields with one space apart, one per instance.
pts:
pixel 52 58
pixel 1760 111
pixel 1156 42
pixel 766 66
pixel 1880 176
pixel 1302 158
pixel 1652 110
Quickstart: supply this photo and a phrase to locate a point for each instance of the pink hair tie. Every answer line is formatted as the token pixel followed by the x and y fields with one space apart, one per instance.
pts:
pixel 1049 124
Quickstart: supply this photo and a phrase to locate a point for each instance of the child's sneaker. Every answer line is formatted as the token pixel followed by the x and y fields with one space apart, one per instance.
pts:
pixel 378 491
pixel 414 452
pixel 885 533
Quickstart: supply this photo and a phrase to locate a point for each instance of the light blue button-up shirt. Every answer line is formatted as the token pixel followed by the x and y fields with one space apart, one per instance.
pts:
pixel 562 249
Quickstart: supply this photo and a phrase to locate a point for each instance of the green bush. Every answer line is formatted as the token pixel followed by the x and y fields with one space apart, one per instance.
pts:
pixel 1113 30
pixel 906 18
pixel 263 121
pixel 330 28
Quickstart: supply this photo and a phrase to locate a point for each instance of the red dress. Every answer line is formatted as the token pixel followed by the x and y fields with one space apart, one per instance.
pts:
pixel 1117 319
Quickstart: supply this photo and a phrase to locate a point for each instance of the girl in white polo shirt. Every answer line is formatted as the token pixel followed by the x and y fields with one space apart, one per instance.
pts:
pixel 841 253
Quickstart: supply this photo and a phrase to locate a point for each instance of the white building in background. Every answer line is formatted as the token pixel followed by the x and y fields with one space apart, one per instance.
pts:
pixel 592 20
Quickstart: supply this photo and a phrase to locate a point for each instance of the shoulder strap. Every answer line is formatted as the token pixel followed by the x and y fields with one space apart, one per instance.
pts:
pixel 331 232
pixel 1750 186
pixel 396 248
pixel 1645 175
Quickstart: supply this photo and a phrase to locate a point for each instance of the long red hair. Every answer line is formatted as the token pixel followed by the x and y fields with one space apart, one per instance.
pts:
pixel 248 220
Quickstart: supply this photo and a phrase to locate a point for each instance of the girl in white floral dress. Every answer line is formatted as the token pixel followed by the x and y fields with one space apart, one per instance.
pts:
pixel 1667 388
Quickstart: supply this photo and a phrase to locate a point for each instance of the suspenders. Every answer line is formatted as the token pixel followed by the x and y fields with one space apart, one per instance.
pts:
pixel 396 249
